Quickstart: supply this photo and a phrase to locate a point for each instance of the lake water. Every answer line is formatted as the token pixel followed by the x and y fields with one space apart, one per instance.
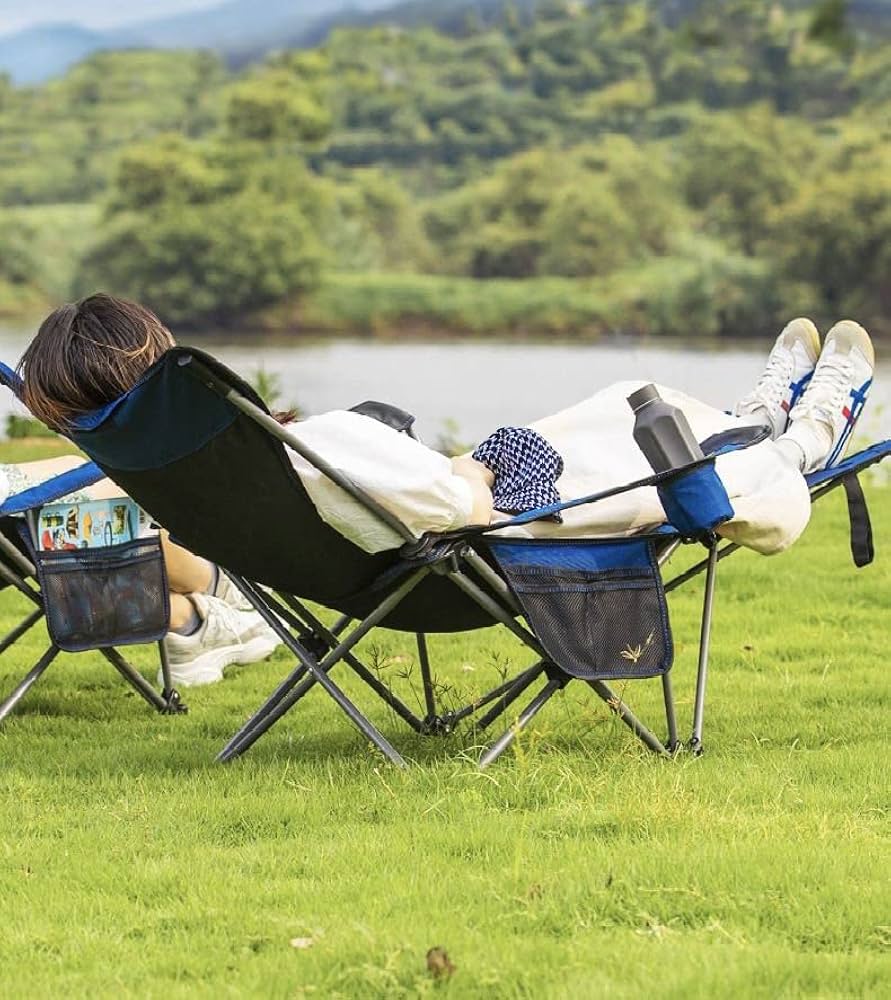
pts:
pixel 480 385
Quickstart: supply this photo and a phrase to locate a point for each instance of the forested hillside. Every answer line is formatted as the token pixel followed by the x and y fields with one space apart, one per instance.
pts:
pixel 696 167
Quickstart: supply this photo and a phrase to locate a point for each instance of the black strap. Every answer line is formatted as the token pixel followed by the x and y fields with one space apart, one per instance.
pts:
pixel 861 529
pixel 386 413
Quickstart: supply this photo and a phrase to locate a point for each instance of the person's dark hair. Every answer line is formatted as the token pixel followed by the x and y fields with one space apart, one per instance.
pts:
pixel 87 354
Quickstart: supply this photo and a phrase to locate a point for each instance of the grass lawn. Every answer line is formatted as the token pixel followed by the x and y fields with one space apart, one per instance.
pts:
pixel 579 866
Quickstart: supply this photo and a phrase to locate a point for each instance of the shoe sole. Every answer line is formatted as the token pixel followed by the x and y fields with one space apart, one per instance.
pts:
pixel 808 331
pixel 208 668
pixel 854 335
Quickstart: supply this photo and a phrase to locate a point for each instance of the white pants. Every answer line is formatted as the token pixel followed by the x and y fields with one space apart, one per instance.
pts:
pixel 769 496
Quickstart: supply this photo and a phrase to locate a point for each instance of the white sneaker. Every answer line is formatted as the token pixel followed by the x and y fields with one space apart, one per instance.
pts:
pixel 226 635
pixel 789 368
pixel 823 420
pixel 227 592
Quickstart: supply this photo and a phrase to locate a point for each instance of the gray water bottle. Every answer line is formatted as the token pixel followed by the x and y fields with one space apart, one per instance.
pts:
pixel 661 431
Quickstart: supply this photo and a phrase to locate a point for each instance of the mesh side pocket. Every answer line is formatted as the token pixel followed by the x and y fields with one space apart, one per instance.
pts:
pixel 596 618
pixel 115 595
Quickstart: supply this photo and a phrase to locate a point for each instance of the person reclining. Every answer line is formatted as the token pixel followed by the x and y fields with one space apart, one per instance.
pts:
pixel 89 353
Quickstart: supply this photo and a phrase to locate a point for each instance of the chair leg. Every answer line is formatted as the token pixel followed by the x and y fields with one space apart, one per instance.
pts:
pixel 251 731
pixel 27 681
pixel 426 679
pixel 319 670
pixel 671 718
pixel 616 705
pixel 708 604
pixel 175 704
pixel 329 640
pixel 135 679
pixel 26 623
pixel 518 686
pixel 451 719
pixel 526 716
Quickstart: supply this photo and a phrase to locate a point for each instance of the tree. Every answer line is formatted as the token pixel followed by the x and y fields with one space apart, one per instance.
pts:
pixel 833 241
pixel 829 25
pixel 17 263
pixel 370 223
pixel 167 169
pixel 207 263
pixel 738 168
pixel 276 106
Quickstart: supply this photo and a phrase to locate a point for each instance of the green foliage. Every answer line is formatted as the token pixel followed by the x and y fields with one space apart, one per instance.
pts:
pixel 18 427
pixel 275 107
pixel 835 236
pixel 207 263
pixel 57 141
pixel 17 263
pixel 371 224
pixel 727 152
pixel 167 169
pixel 48 242
pixel 703 291
pixel 737 167
pixel 829 24
pixel 268 387
pixel 549 212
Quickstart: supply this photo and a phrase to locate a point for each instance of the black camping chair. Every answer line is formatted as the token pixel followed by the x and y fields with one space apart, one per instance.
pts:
pixel 90 599
pixel 195 446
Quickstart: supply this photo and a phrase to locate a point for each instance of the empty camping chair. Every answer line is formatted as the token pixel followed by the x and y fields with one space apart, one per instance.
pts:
pixel 194 444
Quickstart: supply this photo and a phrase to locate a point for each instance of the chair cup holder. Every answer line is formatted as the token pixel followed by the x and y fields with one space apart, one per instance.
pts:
pixel 695 500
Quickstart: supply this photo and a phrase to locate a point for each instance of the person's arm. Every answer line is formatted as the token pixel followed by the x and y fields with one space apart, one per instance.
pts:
pixel 480 479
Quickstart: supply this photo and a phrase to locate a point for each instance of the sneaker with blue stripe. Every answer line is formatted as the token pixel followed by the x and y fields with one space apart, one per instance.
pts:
pixel 790 366
pixel 838 390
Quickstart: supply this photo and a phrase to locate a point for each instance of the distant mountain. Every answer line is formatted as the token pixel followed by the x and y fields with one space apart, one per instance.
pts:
pixel 243 30
pixel 236 23
pixel 446 15
pixel 32 55
pixel 35 54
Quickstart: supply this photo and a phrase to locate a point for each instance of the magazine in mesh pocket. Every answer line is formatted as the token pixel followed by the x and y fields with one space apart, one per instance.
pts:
pixel 598 608
pixel 114 595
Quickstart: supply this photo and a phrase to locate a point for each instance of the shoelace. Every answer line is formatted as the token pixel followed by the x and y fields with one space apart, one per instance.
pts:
pixel 230 595
pixel 828 390
pixel 769 388
pixel 226 617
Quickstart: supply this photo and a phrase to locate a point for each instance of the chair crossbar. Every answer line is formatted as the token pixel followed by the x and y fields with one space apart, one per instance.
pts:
pixel 275 614
pixel 319 631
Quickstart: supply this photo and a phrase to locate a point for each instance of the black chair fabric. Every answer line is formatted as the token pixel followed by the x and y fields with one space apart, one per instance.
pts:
pixel 225 489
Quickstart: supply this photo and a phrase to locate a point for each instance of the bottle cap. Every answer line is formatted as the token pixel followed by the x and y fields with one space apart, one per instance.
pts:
pixel 646 394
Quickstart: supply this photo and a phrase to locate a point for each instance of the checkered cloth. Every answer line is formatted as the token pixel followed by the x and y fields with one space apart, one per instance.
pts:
pixel 526 469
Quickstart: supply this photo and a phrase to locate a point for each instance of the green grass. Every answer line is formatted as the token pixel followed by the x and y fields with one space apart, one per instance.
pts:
pixel 702 293
pixel 131 864
pixel 382 303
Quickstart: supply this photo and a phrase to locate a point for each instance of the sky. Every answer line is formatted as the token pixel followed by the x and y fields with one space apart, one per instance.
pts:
pixel 16 14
